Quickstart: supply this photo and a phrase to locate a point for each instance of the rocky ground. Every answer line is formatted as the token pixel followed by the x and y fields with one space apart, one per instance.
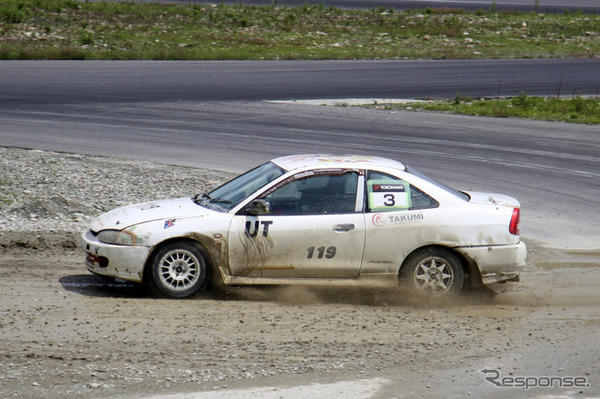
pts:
pixel 67 333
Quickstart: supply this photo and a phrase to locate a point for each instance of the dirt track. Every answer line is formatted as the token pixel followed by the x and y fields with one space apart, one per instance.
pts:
pixel 66 333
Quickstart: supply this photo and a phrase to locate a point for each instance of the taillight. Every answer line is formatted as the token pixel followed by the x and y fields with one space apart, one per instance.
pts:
pixel 513 227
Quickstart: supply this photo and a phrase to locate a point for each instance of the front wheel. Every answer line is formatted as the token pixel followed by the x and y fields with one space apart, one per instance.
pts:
pixel 178 270
pixel 433 273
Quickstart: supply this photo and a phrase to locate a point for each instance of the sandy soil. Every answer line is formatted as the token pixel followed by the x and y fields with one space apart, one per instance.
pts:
pixel 67 333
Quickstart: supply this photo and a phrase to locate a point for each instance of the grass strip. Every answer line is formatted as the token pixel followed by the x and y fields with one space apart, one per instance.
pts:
pixel 574 110
pixel 68 29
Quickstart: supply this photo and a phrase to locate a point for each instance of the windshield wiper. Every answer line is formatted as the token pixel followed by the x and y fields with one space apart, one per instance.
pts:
pixel 219 201
pixel 201 197
pixel 205 197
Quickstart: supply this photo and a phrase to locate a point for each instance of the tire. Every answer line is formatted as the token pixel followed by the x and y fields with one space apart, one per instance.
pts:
pixel 178 270
pixel 433 273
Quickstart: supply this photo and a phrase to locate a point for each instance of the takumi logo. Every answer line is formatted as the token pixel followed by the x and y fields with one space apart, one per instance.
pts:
pixel 378 220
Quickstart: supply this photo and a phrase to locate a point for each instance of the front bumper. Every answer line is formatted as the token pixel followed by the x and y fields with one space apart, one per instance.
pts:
pixel 497 263
pixel 119 261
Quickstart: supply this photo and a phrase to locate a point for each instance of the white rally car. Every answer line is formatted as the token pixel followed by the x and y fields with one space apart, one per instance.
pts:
pixel 317 220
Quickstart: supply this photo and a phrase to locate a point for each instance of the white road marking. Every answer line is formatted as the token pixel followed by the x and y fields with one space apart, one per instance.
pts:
pixel 361 389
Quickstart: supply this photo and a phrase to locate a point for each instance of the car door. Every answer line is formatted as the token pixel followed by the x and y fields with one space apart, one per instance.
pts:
pixel 400 217
pixel 315 229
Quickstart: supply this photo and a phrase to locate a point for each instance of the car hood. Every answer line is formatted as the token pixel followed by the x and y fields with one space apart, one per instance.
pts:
pixel 492 199
pixel 130 215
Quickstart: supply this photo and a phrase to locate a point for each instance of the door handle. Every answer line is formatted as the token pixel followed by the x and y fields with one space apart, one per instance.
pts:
pixel 343 227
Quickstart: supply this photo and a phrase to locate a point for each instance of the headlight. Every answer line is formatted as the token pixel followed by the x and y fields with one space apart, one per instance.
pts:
pixel 118 237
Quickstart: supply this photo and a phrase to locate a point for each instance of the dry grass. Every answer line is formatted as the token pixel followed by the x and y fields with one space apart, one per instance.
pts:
pixel 67 29
pixel 575 109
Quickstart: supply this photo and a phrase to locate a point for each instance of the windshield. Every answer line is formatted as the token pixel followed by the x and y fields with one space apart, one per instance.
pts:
pixel 235 191
pixel 459 194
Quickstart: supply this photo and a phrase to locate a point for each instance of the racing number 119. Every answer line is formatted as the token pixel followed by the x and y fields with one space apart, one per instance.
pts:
pixel 328 252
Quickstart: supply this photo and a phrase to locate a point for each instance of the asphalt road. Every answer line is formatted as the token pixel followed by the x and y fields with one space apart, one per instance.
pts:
pixel 212 115
pixel 208 115
pixel 24 83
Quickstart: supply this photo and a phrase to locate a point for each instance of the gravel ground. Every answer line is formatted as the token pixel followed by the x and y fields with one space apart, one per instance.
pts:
pixel 67 333
pixel 49 191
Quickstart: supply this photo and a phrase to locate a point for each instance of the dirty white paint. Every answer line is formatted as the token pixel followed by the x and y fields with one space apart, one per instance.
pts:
pixel 331 246
pixel 361 389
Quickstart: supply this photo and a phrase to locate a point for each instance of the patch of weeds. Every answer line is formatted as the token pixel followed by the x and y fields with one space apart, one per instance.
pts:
pixel 5 201
pixel 523 101
pixel 458 99
pixel 574 110
pixel 86 38
pixel 65 53
pixel 14 12
pixel 498 111
pixel 45 29
pixel 445 11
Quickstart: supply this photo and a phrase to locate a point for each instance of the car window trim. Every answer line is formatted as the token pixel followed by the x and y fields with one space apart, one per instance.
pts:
pixel 359 204
pixel 331 172
pixel 367 208
pixel 301 175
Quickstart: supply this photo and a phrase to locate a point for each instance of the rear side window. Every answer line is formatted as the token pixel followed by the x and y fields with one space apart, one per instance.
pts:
pixel 387 193
pixel 459 194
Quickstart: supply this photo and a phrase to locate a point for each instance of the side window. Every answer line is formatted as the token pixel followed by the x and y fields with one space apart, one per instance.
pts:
pixel 315 195
pixel 387 193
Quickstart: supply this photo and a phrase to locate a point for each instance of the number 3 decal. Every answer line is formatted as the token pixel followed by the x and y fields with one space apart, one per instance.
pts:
pixel 391 200
pixel 322 251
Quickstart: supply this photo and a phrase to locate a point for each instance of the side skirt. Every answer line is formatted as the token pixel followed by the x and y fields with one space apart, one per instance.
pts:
pixel 374 280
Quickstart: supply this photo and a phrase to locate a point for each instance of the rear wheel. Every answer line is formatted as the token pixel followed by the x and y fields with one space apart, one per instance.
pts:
pixel 178 270
pixel 433 273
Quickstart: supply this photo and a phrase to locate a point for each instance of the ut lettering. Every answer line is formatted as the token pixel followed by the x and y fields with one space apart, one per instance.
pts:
pixel 253 232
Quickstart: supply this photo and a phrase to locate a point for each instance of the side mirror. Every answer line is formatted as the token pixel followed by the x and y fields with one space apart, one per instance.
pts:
pixel 258 207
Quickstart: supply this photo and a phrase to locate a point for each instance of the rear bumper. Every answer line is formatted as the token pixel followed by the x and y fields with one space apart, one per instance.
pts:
pixel 497 263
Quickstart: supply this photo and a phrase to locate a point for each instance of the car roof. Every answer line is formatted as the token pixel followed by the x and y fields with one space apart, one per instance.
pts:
pixel 311 161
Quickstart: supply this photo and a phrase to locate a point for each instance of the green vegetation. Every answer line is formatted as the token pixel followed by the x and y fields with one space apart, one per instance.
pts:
pixel 6 197
pixel 6 201
pixel 574 110
pixel 67 29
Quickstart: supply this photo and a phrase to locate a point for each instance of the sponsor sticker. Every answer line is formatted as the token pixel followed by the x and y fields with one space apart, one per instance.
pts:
pixel 380 219
pixel 388 196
